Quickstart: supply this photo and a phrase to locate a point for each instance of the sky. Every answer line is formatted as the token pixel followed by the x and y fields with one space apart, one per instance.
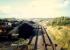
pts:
pixel 34 8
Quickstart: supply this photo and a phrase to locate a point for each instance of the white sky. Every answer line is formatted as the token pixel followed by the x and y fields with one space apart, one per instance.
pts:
pixel 34 8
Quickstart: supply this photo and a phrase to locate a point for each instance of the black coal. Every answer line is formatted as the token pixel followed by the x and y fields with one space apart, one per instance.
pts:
pixel 25 31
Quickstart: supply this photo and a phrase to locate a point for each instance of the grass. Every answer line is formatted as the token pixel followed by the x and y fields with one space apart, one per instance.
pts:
pixel 61 34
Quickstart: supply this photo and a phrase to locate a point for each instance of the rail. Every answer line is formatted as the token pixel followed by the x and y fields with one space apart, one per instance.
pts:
pixel 43 31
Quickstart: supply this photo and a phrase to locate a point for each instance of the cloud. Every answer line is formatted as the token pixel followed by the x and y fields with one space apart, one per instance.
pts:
pixel 15 11
pixel 64 3
pixel 36 8
pixel 45 7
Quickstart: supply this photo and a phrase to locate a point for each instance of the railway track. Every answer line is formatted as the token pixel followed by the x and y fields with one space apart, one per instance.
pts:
pixel 51 43
pixel 41 40
pixel 42 31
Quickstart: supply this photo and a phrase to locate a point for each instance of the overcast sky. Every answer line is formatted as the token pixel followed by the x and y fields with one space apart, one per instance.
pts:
pixel 34 8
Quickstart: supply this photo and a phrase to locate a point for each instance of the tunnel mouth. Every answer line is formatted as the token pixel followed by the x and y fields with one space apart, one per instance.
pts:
pixel 25 31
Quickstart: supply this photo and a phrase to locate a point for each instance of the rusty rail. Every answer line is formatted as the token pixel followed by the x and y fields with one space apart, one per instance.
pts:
pixel 51 43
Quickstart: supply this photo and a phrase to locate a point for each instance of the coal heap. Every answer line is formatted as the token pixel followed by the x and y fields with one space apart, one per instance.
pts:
pixel 25 30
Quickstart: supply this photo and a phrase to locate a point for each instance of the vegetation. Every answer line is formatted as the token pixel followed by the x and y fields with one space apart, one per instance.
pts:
pixel 59 29
pixel 60 21
pixel 61 36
